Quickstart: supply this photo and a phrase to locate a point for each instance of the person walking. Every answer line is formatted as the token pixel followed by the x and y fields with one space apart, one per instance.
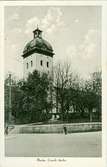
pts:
pixel 65 130
pixel 6 130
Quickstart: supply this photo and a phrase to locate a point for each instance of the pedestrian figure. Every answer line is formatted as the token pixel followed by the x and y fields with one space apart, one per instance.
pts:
pixel 6 130
pixel 65 130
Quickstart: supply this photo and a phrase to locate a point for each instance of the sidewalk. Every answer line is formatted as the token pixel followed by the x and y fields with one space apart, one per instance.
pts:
pixel 56 128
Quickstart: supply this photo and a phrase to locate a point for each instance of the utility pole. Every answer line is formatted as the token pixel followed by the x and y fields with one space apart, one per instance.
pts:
pixel 10 102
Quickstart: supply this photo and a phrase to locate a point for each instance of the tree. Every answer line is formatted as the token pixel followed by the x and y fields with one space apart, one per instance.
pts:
pixel 73 92
pixel 62 77
pixel 9 81
pixel 30 98
pixel 92 97
pixel 36 102
pixel 14 94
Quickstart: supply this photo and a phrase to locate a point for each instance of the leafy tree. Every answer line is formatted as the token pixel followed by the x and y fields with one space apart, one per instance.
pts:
pixel 8 96
pixel 93 94
pixel 36 102
pixel 30 100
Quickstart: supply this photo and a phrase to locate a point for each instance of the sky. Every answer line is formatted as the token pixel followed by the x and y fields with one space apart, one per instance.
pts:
pixel 73 31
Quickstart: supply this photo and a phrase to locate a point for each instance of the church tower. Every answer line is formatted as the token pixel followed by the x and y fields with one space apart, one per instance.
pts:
pixel 37 55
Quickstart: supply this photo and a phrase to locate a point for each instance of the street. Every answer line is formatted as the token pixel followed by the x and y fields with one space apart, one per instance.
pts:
pixel 54 145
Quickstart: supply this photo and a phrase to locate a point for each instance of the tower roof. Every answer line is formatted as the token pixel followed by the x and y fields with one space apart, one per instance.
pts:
pixel 38 44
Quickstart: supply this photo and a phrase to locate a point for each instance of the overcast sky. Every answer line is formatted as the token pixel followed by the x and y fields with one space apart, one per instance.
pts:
pixel 74 33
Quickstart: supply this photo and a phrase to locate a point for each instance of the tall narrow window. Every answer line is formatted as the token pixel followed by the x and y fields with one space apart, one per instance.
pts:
pixel 41 63
pixel 31 63
pixel 47 64
pixel 27 65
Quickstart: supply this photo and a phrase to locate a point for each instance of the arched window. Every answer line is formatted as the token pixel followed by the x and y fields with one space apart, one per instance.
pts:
pixel 27 65
pixel 31 63
pixel 47 64
pixel 41 63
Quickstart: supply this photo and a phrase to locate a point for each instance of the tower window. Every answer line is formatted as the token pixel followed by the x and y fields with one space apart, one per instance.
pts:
pixel 41 63
pixel 31 63
pixel 27 65
pixel 47 64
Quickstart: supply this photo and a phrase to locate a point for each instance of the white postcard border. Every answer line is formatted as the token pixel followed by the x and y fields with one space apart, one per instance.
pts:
pixel 69 162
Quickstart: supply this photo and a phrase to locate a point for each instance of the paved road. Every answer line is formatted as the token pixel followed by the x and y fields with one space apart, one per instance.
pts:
pixel 51 145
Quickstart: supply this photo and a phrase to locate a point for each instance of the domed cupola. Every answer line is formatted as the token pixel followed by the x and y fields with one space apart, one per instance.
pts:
pixel 38 45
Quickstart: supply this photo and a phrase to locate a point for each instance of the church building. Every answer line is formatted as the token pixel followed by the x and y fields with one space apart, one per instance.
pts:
pixel 38 55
